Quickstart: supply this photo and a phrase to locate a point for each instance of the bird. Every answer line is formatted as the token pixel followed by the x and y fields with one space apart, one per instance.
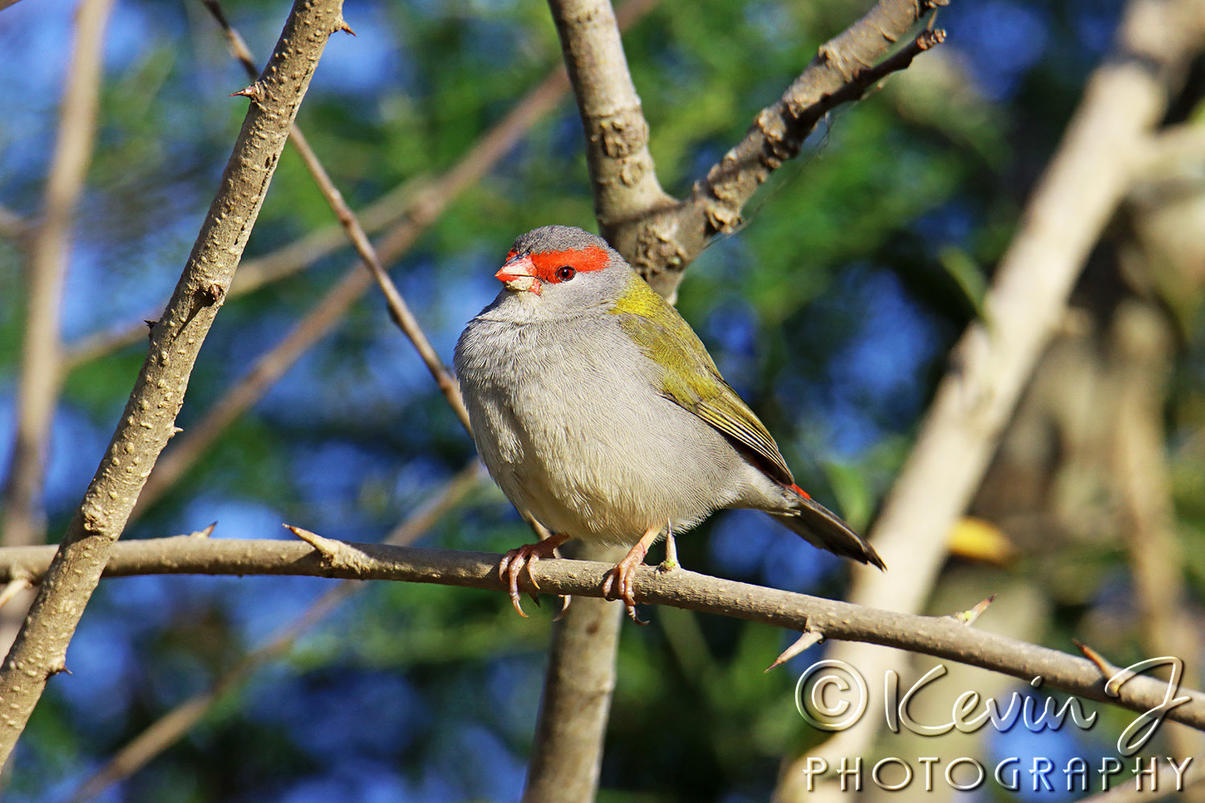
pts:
pixel 597 410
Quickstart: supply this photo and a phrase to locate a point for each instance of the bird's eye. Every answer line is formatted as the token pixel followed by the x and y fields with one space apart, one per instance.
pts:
pixel 565 273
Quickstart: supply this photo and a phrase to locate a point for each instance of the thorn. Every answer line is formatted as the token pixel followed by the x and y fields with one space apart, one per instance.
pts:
pixel 205 533
pixel 255 92
pixel 211 293
pixel 969 616
pixel 14 587
pixel 808 639
pixel 150 324
pixel 328 547
pixel 58 669
pixel 1108 672
pixel 343 26
pixel 176 431
pixel 671 551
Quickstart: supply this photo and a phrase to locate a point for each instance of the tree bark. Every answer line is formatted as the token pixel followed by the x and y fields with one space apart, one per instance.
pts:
pixel 148 421
pixel 1073 201
pixel 944 637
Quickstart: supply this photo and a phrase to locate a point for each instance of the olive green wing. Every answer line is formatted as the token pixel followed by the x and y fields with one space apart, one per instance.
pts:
pixel 689 376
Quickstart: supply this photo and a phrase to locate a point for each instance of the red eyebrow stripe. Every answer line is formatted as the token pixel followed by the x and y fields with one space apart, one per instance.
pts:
pixel 580 259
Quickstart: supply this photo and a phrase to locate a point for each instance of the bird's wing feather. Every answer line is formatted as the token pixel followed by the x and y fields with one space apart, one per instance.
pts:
pixel 689 376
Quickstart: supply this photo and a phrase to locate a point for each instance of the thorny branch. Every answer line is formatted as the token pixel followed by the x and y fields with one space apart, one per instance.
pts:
pixel 149 417
pixel 425 207
pixel 171 726
pixel 647 226
pixel 389 211
pixel 995 357
pixel 399 310
pixel 661 241
pixel 942 637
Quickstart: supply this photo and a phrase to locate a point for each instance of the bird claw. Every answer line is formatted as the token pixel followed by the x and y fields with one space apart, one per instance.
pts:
pixel 565 600
pixel 618 585
pixel 516 561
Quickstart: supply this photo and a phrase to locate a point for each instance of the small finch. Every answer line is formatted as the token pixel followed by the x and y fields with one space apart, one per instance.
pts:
pixel 598 410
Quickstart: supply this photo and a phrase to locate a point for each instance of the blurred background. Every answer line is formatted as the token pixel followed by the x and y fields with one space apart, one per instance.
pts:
pixel 832 313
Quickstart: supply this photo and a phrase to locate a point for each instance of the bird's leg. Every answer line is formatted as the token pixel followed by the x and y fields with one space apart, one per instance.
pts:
pixel 671 550
pixel 618 582
pixel 516 560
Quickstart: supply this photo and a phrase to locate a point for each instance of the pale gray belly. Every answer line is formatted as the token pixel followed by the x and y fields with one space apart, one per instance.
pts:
pixel 575 433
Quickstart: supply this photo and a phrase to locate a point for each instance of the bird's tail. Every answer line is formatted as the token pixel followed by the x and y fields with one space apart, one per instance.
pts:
pixel 820 527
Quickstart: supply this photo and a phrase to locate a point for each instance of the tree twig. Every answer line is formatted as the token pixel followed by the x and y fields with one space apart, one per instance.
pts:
pixel 663 241
pixel 940 636
pixel 38 386
pixel 991 363
pixel 149 418
pixel 387 211
pixel 428 204
pixel 399 310
pixel 172 725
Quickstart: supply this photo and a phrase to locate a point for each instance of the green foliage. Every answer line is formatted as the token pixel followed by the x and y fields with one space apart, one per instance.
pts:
pixel 877 242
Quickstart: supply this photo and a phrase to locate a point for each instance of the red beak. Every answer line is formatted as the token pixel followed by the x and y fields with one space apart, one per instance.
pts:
pixel 519 274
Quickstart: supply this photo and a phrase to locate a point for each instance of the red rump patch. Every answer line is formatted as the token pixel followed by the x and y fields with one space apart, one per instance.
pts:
pixel 801 492
pixel 580 259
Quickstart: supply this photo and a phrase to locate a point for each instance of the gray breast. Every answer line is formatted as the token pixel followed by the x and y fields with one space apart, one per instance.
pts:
pixel 568 420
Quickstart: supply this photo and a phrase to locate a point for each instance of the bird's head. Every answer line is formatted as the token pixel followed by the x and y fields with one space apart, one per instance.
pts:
pixel 561 269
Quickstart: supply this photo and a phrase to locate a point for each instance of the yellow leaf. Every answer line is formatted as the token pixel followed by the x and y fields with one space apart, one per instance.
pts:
pixel 979 540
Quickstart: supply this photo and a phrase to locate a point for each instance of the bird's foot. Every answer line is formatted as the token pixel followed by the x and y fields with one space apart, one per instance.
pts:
pixel 516 560
pixel 618 582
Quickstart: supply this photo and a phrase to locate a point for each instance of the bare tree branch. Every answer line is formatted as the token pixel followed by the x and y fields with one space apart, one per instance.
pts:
pixel 38 386
pixel 355 282
pixel 1069 208
pixel 1141 359
pixel 399 310
pixel 171 726
pixel 386 211
pixel 943 637
pixel 617 135
pixel 648 227
pixel 575 704
pixel 661 242
pixel 250 388
pixel 427 206
pixel 149 418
